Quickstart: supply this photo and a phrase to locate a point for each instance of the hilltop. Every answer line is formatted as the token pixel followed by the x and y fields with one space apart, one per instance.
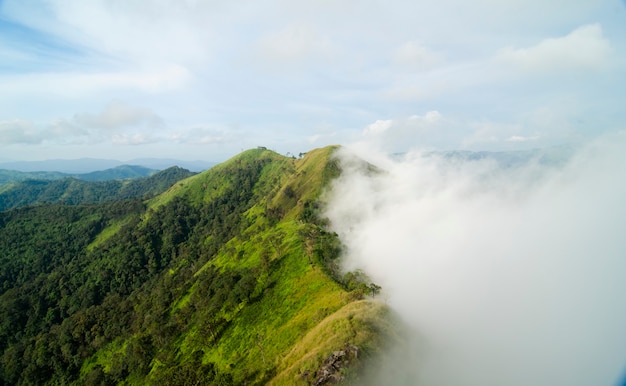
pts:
pixel 228 277
pixel 90 189
pixel 121 172
pixel 76 167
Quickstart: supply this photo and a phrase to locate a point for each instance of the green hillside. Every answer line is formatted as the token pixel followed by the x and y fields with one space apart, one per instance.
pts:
pixel 11 177
pixel 122 172
pixel 73 191
pixel 228 277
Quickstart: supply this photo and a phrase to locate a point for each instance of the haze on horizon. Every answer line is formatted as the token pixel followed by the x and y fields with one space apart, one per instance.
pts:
pixel 204 80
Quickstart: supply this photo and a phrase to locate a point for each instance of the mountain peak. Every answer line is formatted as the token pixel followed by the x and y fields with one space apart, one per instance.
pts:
pixel 228 277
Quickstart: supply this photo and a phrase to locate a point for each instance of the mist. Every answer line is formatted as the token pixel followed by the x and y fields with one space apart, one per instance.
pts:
pixel 505 275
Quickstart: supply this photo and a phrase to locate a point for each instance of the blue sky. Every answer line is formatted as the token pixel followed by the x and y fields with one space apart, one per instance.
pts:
pixel 206 79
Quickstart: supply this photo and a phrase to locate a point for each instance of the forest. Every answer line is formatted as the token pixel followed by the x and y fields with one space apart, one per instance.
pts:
pixel 229 277
pixel 74 191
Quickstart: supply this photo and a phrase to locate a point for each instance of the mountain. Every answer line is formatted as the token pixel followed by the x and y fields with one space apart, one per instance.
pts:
pixel 73 191
pixel 9 177
pixel 551 156
pixel 87 165
pixel 69 166
pixel 228 277
pixel 121 172
pixel 163 163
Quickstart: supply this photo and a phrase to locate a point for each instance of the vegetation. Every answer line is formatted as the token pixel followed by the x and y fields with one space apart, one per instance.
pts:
pixel 122 172
pixel 73 191
pixel 228 277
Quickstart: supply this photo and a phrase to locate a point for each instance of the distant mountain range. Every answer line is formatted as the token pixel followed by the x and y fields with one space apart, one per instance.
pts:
pixel 117 173
pixel 557 155
pixel 119 183
pixel 87 165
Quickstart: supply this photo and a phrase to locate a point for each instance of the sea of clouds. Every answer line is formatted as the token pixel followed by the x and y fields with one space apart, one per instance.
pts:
pixel 506 275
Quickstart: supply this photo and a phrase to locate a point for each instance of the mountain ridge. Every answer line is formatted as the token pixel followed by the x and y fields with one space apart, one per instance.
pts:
pixel 73 191
pixel 88 165
pixel 121 172
pixel 228 277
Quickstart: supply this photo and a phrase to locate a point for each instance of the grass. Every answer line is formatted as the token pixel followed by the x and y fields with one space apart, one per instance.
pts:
pixel 363 324
pixel 297 315
pixel 105 357
pixel 107 232
pixel 304 316
pixel 264 331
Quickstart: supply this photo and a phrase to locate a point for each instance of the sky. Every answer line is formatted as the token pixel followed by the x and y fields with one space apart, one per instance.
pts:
pixel 510 277
pixel 206 79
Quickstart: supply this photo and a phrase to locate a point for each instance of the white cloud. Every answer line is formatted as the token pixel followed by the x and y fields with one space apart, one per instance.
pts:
pixel 19 131
pixel 438 82
pixel 401 134
pixel 499 136
pixel 273 64
pixel 378 127
pixel 415 56
pixel 205 135
pixel 156 80
pixel 67 131
pixel 431 117
pixel 298 43
pixel 507 276
pixel 25 132
pixel 519 138
pixel 585 48
pixel 132 139
pixel 408 92
pixel 118 115
pixel 119 123
pixel 85 85
pixel 140 32
pixel 414 123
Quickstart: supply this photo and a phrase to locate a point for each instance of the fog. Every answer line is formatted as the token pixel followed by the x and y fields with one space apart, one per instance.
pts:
pixel 506 275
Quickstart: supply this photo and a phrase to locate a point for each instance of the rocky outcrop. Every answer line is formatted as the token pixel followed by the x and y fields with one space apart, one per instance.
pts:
pixel 330 372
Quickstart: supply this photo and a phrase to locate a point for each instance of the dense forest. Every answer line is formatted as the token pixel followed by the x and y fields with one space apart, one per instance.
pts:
pixel 73 191
pixel 228 277
pixel 122 172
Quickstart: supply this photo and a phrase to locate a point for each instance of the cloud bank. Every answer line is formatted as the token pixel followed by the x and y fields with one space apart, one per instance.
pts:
pixel 585 48
pixel 118 121
pixel 275 66
pixel 507 275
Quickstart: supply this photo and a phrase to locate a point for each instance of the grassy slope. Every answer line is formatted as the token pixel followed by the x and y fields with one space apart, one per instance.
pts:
pixel 297 315
pixel 304 300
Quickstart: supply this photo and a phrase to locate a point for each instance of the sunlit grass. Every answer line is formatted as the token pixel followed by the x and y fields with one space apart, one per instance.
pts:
pixel 297 314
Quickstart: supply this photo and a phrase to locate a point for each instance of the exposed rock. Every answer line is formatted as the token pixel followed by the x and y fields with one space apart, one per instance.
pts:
pixel 330 372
